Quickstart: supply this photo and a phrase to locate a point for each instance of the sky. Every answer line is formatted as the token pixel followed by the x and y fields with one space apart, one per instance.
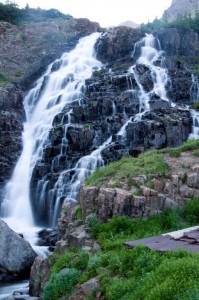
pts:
pixel 105 12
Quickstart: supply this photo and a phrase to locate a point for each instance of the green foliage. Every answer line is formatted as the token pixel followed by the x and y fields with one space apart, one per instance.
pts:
pixel 79 213
pixel 39 15
pixel 147 163
pixel 187 146
pixel 61 284
pixel 182 22
pixel 196 105
pixel 10 12
pixel 71 259
pixel 4 79
pixel 170 280
pixel 121 229
pixel 196 153
pixel 138 273
pixel 190 211
pixel 92 224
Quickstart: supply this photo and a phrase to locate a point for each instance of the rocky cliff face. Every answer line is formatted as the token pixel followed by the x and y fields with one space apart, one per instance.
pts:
pixel 181 7
pixel 108 101
pixel 25 53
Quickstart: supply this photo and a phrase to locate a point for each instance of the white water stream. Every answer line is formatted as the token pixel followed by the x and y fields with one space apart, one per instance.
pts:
pixel 194 93
pixel 52 92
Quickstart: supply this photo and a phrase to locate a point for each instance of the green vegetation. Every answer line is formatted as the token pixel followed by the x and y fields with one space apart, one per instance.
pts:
pixel 196 105
pixel 61 284
pixel 79 213
pixel 136 274
pixel 147 163
pixel 182 22
pixel 10 12
pixel 187 146
pixel 4 79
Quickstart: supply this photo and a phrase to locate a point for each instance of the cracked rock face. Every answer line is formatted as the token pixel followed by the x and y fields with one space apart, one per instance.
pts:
pixel 180 7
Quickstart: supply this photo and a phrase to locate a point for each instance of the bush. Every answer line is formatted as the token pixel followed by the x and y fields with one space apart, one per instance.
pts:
pixel 61 284
pixel 170 280
pixel 10 12
pixel 191 211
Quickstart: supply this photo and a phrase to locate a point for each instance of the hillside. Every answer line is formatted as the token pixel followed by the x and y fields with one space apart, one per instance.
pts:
pixel 181 7
pixel 104 157
pixel 110 210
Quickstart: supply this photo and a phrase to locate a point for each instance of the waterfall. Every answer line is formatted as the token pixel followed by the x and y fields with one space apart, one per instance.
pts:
pixel 61 85
pixel 54 97
pixel 194 95
pixel 150 53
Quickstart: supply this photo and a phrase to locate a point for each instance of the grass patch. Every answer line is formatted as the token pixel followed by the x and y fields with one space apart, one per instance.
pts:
pixel 187 146
pixel 146 163
pixel 4 79
pixel 136 274
pixel 196 105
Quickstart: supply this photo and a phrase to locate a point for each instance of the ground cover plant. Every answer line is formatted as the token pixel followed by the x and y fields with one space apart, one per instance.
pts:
pixel 136 274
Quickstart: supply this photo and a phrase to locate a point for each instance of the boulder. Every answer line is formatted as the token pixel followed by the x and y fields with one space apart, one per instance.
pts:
pixel 16 254
pixel 40 273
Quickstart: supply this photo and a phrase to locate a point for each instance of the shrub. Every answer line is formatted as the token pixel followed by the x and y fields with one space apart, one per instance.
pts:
pixel 61 284
pixel 191 211
pixel 170 280
pixel 196 105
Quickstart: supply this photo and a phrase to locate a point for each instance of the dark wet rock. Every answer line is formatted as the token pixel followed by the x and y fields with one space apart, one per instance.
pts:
pixel 117 43
pixel 48 237
pixel 11 118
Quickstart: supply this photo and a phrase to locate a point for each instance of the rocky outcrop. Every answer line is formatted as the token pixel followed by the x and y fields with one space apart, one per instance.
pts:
pixel 178 43
pixel 111 98
pixel 16 254
pixel 117 44
pixel 32 51
pixel 11 118
pixel 181 7
pixel 107 202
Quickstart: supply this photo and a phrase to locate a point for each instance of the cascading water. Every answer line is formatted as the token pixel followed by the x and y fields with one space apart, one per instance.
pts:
pixel 194 94
pixel 87 164
pixel 62 84
pixel 61 88
pixel 148 56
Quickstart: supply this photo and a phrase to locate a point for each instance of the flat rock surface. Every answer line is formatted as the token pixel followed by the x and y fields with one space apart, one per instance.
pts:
pixel 188 240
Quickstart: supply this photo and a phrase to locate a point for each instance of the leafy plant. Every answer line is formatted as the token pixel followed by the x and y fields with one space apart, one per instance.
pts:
pixel 190 211
pixel 61 284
